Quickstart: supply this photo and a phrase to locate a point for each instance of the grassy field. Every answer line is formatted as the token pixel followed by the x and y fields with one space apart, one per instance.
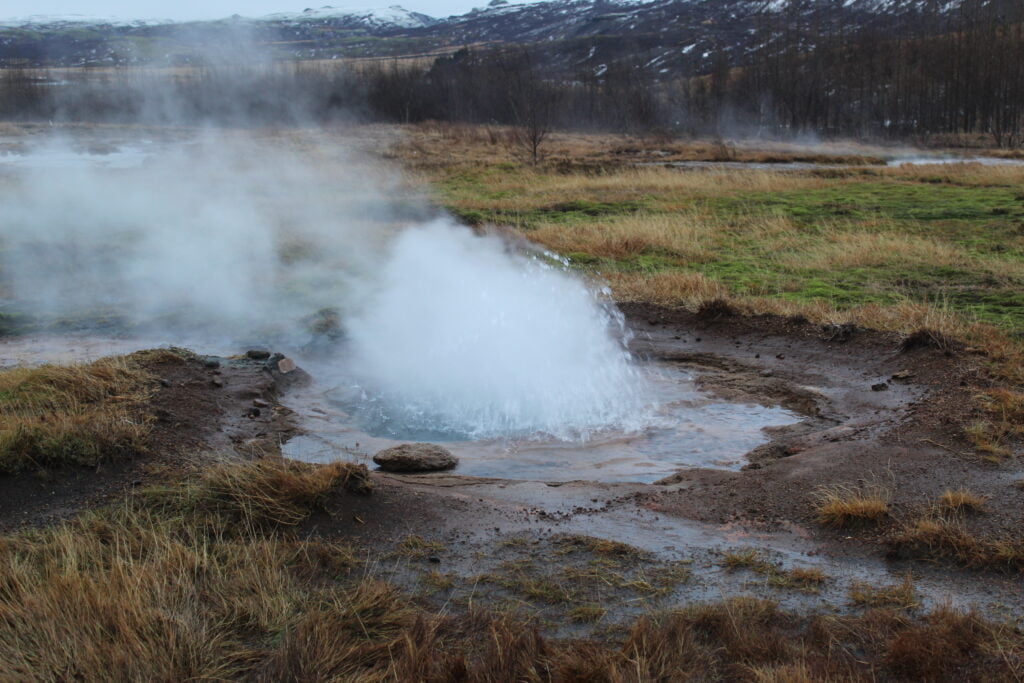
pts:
pixel 951 237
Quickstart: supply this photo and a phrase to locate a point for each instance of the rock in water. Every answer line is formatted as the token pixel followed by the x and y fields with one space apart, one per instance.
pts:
pixel 415 457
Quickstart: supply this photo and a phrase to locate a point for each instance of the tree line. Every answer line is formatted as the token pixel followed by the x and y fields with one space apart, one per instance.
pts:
pixel 924 71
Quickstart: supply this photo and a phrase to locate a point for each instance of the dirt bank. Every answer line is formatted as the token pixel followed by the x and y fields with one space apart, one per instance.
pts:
pixel 199 405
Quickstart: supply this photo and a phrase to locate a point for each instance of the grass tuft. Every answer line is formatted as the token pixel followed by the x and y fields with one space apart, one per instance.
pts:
pixel 844 507
pixel 899 595
pixel 267 492
pixel 959 501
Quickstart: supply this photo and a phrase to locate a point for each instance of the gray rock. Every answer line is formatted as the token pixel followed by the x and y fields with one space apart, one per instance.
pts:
pixel 257 354
pixel 415 457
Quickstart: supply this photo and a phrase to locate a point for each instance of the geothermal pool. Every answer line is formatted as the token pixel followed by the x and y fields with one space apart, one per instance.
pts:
pixel 685 428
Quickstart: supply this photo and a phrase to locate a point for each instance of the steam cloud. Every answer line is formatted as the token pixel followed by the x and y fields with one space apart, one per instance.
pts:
pixel 238 236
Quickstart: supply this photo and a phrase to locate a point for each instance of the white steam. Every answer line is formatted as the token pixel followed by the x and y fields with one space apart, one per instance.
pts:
pixel 242 237
pixel 464 336
pixel 227 234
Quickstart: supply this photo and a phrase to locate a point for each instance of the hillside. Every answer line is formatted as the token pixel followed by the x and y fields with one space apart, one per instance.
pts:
pixel 662 36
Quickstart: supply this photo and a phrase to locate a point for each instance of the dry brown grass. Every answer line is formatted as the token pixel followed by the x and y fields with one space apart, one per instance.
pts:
pixel 846 247
pixel 271 491
pixel 672 288
pixel 684 236
pixel 957 174
pixel 851 248
pixel 958 501
pixel 899 595
pixel 171 586
pixel 845 506
pixel 948 540
pixel 82 414
pixel 441 143
pixel 1004 421
pixel 808 579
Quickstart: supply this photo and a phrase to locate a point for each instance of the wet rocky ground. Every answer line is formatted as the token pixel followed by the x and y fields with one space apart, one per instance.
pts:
pixel 587 556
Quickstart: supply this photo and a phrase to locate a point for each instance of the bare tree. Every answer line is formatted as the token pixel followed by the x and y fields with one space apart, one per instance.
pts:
pixel 532 102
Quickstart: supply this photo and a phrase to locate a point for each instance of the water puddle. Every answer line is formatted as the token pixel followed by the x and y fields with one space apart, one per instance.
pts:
pixel 687 429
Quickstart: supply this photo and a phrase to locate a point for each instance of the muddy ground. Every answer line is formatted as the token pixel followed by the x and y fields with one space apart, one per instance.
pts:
pixel 874 413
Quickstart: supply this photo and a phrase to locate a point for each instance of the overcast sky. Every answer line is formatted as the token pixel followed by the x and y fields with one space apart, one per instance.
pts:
pixel 213 9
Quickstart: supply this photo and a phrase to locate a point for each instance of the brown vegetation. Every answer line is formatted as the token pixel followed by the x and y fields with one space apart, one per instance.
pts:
pixel 949 540
pixel 899 595
pixel 189 592
pixel 79 414
pixel 960 501
pixel 842 507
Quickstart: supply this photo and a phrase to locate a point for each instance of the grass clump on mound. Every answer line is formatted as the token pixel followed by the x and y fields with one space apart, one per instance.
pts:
pixel 268 492
pixel 78 414
pixel 844 507
pixel 948 540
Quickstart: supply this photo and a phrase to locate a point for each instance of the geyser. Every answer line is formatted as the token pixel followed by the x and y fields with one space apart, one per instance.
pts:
pixel 462 336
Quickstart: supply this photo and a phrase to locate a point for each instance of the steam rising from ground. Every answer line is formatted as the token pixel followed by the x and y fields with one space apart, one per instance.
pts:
pixel 234 236
pixel 225 234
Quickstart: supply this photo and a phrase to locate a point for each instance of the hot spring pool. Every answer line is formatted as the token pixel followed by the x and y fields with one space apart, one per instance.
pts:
pixel 684 427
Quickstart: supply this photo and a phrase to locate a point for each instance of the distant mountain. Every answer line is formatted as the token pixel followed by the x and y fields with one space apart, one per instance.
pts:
pixel 371 19
pixel 574 35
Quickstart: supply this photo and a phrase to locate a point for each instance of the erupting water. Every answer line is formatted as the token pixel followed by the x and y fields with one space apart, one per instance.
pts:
pixel 464 338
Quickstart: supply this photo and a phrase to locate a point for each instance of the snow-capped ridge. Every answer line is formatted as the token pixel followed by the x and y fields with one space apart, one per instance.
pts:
pixel 79 20
pixel 383 17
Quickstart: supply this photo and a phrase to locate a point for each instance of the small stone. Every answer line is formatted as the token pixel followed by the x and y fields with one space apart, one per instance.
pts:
pixel 415 457
pixel 903 374
pixel 260 403
pixel 257 354
pixel 165 383
pixel 434 559
pixel 881 386
pixel 217 382
pixel 211 363
pixel 766 373
pixel 286 365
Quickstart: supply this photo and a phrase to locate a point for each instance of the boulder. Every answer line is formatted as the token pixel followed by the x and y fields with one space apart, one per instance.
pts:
pixel 415 457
